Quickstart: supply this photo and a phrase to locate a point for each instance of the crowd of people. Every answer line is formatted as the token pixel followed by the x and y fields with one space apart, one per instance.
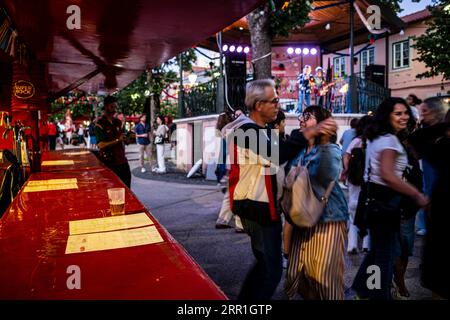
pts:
pixel 54 133
pixel 394 165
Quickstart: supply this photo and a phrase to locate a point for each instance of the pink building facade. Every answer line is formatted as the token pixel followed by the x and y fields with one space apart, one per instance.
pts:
pixel 402 67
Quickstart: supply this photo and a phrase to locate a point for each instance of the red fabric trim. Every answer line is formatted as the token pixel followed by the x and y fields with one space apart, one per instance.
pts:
pixel 273 211
pixel 233 179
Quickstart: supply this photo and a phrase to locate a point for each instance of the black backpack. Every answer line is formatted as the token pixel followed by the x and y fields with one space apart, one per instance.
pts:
pixel 356 165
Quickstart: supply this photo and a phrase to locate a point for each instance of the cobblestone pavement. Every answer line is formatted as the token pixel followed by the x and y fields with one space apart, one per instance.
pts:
pixel 189 212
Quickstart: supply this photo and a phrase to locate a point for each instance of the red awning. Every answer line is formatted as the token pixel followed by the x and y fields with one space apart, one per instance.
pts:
pixel 120 38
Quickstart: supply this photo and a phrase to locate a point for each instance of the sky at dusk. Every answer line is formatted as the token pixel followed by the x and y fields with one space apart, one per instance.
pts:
pixel 410 7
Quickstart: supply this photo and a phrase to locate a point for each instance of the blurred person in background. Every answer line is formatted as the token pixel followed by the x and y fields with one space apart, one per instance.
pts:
pixel 431 113
pixel 348 136
pixel 353 174
pixel 160 136
pixel 432 143
pixel 414 104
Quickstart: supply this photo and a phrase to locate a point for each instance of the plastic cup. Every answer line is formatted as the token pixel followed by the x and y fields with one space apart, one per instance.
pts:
pixel 116 198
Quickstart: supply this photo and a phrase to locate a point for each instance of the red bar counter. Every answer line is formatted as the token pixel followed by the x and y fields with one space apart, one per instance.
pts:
pixel 83 160
pixel 33 238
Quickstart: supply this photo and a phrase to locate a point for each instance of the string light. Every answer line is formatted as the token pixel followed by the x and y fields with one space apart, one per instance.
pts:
pixel 304 51
pixel 233 48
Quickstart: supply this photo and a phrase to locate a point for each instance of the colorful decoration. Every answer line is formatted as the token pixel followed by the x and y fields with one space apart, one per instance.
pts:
pixel 372 38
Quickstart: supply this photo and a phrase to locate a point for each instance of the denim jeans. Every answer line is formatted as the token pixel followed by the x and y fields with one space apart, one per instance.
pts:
pixel 382 254
pixel 429 179
pixel 304 100
pixel 264 277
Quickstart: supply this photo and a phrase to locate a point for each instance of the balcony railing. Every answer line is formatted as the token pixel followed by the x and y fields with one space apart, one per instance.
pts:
pixel 202 99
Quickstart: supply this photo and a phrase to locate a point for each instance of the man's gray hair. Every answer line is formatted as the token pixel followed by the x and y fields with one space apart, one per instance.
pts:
pixel 256 91
pixel 437 108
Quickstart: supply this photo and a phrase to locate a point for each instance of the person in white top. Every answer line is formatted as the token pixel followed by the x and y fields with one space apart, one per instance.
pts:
pixel 353 174
pixel 386 160
pixel 160 136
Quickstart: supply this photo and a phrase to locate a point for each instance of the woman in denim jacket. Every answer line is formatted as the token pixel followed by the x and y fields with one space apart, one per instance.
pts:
pixel 316 255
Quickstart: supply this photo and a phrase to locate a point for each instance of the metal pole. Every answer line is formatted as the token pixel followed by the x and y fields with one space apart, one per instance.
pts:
pixel 221 53
pixel 221 87
pixel 181 92
pixel 387 61
pixel 352 92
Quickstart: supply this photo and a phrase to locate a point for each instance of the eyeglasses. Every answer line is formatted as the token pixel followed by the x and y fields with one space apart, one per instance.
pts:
pixel 274 101
pixel 306 116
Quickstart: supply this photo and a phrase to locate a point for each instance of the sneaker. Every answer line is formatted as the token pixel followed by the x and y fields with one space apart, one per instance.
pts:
pixel 143 170
pixel 421 232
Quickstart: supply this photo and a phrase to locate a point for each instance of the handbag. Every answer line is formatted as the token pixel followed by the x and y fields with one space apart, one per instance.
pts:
pixel 159 139
pixel 299 201
pixel 378 206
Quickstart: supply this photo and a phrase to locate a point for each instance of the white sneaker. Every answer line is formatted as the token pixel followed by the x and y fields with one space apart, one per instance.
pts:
pixel 421 232
pixel 143 170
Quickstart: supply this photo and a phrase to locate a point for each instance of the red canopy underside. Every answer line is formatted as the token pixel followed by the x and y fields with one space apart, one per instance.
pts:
pixel 122 37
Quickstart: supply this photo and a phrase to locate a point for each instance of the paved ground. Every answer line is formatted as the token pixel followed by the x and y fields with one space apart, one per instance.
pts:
pixel 188 210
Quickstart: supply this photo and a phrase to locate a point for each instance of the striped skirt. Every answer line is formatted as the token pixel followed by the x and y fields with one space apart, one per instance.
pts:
pixel 316 262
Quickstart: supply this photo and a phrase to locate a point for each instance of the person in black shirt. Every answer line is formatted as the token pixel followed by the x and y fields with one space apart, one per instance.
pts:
pixel 110 140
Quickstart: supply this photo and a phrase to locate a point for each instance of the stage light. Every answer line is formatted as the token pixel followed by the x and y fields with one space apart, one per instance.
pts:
pixel 239 49
pixel 246 50
pixel 402 32
pixel 232 48
pixel 313 51
pixel 290 50
pixel 225 48
pixel 298 51
pixel 327 26
pixel 305 51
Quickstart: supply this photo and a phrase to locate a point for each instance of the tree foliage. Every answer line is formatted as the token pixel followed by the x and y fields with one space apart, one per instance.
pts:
pixel 132 99
pixel 288 15
pixel 433 46
pixel 79 102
